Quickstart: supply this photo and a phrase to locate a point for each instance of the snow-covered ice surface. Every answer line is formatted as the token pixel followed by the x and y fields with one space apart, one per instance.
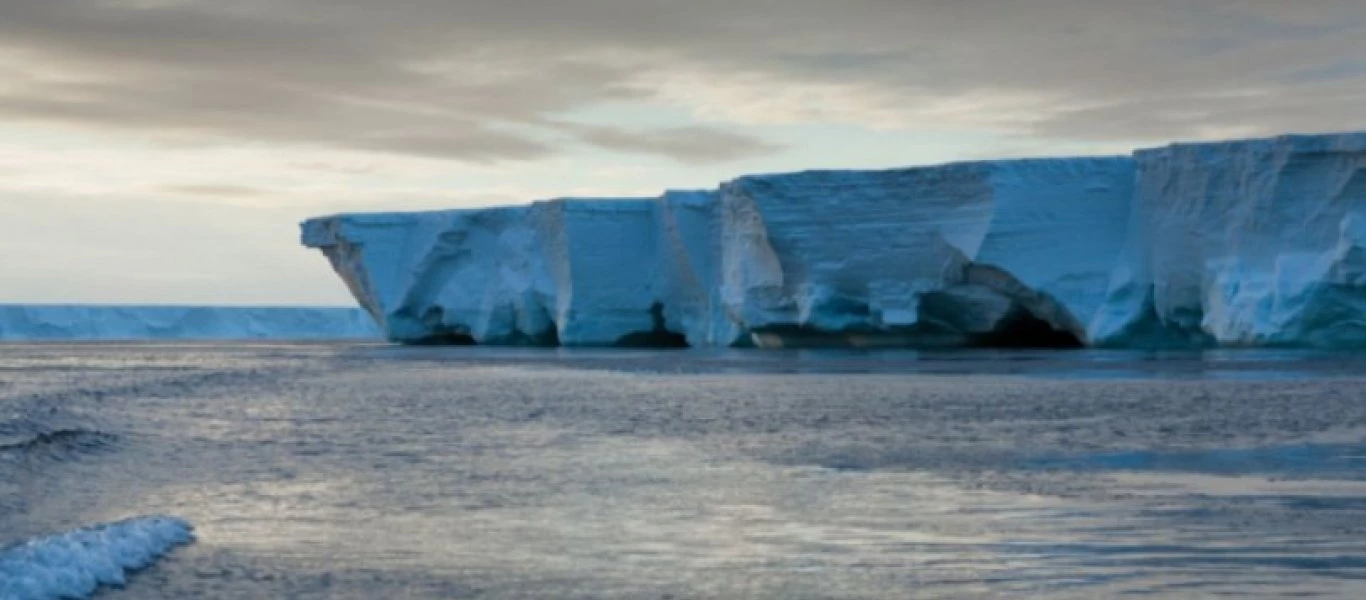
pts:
pixel 364 471
pixel 75 564
pixel 37 322
pixel 1256 242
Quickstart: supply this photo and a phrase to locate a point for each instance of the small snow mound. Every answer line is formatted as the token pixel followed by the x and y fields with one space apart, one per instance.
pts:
pixel 76 563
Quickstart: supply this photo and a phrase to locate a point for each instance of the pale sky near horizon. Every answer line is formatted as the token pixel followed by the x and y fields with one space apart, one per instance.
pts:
pixel 163 151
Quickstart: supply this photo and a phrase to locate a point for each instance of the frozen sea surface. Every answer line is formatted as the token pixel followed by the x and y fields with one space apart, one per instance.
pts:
pixel 372 471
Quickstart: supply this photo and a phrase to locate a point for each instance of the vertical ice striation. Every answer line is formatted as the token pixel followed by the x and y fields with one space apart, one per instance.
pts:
pixel 574 272
pixel 1250 243
pixel 1255 242
pixel 933 255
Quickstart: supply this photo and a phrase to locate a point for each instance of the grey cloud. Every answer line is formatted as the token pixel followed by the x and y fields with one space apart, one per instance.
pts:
pixel 485 80
pixel 694 145
pixel 333 168
pixel 272 76
pixel 215 190
pixel 197 106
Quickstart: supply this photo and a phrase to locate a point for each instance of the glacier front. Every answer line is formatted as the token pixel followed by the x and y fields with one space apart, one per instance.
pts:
pixel 69 322
pixel 1246 243
pixel 1250 243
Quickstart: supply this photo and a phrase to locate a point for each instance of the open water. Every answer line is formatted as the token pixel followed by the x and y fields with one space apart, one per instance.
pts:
pixel 373 471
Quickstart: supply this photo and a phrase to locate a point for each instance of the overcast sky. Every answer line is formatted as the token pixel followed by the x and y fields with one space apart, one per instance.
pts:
pixel 164 150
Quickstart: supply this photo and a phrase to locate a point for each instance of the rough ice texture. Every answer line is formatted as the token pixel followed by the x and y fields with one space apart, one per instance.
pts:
pixel 1240 243
pixel 1251 243
pixel 20 322
pixel 77 563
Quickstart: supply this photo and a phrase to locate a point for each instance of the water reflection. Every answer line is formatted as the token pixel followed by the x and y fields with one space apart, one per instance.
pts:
pixel 1249 364
pixel 380 471
pixel 1337 460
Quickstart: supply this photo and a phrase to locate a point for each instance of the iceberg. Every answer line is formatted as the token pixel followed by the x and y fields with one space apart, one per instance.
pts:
pixel 75 564
pixel 1245 243
pixel 1249 243
pixel 51 322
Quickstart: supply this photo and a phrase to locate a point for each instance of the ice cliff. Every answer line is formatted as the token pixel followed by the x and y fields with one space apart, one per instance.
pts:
pixel 1259 242
pixel 1255 242
pixel 44 322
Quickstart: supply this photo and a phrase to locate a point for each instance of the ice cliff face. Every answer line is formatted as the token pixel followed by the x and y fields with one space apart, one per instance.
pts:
pixel 1240 243
pixel 1259 242
pixel 939 255
pixel 48 322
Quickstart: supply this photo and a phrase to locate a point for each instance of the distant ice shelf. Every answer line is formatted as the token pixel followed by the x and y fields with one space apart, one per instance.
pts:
pixel 1245 243
pixel 54 322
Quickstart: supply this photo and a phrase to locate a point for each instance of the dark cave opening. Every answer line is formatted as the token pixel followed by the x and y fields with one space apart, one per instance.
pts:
pixel 659 335
pixel 1024 330
pixel 442 334
pixel 445 338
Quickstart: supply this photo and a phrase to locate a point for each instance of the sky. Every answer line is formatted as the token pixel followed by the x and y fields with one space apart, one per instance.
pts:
pixel 164 151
